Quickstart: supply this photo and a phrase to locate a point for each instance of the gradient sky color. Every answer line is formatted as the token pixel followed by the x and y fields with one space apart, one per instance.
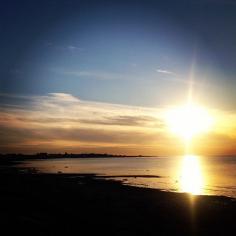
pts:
pixel 68 64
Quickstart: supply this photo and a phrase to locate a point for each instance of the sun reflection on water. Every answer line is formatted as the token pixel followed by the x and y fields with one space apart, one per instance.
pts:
pixel 191 176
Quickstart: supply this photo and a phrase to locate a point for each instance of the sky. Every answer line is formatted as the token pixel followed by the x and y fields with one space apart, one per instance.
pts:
pixel 99 76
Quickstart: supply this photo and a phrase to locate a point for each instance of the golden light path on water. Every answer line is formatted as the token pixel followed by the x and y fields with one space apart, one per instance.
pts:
pixel 188 121
pixel 191 175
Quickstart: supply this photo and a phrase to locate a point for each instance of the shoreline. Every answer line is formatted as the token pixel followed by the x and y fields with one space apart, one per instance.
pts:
pixel 13 166
pixel 61 204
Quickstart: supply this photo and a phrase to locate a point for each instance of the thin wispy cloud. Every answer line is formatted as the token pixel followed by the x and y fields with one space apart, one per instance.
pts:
pixel 68 107
pixel 167 72
pixel 61 121
pixel 69 48
pixel 74 48
pixel 173 77
pixel 62 118
pixel 101 75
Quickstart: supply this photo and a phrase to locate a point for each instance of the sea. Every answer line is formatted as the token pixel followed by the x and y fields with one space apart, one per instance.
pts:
pixel 198 175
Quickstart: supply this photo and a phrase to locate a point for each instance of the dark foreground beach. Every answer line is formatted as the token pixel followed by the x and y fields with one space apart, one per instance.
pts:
pixel 66 204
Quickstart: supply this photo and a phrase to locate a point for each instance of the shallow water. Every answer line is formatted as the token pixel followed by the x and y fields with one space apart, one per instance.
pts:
pixel 194 174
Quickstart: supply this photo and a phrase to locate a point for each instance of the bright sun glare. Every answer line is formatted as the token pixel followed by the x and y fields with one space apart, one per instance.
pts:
pixel 191 180
pixel 189 120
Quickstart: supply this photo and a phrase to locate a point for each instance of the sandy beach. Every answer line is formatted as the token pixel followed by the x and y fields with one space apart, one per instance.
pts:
pixel 67 204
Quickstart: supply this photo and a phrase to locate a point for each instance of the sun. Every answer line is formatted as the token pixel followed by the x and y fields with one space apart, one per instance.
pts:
pixel 189 120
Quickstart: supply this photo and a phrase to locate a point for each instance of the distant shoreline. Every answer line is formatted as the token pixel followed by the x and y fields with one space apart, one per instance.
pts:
pixel 46 156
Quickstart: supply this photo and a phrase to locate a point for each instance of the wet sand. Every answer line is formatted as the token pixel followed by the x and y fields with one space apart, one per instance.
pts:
pixel 66 204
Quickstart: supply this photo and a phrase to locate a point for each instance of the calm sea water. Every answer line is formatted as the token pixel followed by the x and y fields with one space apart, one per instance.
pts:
pixel 194 174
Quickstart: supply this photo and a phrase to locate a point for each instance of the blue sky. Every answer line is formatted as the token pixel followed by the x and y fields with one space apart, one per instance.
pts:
pixel 139 54
pixel 91 49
